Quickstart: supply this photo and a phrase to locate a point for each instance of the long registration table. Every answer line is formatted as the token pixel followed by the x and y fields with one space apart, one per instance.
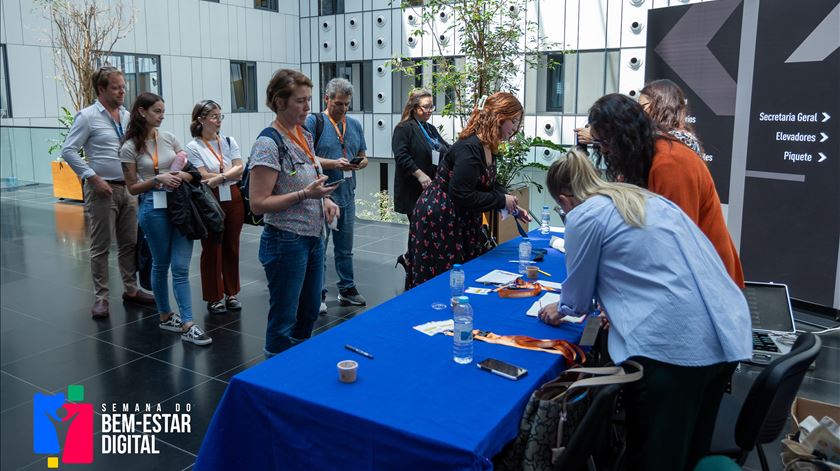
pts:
pixel 412 406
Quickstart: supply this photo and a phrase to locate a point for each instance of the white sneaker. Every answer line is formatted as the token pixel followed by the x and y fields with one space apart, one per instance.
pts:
pixel 196 335
pixel 323 309
pixel 173 324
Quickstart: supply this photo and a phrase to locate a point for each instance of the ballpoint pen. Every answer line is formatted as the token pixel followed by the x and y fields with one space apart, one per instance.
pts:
pixel 359 351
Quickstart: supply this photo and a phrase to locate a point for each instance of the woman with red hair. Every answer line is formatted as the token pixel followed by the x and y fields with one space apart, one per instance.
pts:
pixel 446 222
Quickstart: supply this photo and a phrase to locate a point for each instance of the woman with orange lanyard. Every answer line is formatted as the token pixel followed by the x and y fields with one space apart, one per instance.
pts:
pixel 287 186
pixel 218 160
pixel 146 157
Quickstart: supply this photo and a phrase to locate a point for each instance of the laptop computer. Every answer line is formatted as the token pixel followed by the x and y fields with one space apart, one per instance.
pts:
pixel 772 319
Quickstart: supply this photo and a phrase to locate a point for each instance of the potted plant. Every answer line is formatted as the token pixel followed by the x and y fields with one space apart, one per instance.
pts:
pixel 84 32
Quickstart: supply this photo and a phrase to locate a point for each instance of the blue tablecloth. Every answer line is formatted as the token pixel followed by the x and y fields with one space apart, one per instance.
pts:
pixel 412 406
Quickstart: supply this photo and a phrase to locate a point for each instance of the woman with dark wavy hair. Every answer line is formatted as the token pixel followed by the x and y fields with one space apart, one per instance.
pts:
pixel 637 151
pixel 147 157
pixel 665 103
pixel 446 222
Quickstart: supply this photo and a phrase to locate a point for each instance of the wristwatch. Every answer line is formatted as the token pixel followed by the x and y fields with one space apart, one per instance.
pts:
pixel 224 179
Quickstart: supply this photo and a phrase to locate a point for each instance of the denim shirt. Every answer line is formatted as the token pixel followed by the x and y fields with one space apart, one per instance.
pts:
pixel 328 146
pixel 665 290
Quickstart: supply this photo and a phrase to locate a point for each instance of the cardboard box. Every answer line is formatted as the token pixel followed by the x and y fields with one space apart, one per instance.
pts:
pixel 802 408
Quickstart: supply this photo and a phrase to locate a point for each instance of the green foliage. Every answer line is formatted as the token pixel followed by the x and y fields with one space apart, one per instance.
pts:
pixel 513 160
pixel 66 120
pixel 380 209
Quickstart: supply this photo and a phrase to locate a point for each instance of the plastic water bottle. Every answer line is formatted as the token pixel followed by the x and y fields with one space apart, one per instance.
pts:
pixel 545 228
pixel 524 255
pixel 456 283
pixel 462 349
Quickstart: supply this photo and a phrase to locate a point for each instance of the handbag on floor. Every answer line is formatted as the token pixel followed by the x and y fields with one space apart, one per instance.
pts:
pixel 554 412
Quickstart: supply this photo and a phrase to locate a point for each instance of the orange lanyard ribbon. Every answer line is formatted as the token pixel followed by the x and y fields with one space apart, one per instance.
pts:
pixel 155 154
pixel 300 140
pixel 341 133
pixel 218 157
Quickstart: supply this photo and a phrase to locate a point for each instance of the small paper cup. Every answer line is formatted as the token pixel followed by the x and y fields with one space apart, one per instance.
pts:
pixel 347 370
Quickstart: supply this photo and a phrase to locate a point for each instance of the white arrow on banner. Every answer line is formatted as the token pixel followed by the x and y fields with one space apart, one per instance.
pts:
pixel 826 116
pixel 822 157
pixel 824 137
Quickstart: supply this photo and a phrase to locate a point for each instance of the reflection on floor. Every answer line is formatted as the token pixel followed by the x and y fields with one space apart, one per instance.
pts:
pixel 49 340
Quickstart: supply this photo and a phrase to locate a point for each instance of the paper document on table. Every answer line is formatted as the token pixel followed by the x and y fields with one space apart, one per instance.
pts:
pixel 558 243
pixel 545 300
pixel 498 277
pixel 560 230
pixel 551 284
pixel 473 290
pixel 435 327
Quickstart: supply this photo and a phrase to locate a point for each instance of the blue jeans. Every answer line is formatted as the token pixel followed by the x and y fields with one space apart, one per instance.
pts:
pixel 169 248
pixel 294 268
pixel 342 248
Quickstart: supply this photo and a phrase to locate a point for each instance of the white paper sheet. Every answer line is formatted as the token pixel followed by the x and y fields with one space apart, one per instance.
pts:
pixel 498 277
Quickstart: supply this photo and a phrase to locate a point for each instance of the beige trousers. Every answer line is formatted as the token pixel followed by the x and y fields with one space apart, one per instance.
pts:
pixel 114 216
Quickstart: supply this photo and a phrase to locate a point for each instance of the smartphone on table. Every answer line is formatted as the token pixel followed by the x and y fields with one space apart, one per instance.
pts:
pixel 502 368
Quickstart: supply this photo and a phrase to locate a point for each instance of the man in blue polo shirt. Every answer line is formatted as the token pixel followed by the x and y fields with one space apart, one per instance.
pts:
pixel 340 147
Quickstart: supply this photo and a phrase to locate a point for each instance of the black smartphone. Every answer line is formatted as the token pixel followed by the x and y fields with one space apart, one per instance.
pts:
pixel 502 368
pixel 356 160
pixel 334 182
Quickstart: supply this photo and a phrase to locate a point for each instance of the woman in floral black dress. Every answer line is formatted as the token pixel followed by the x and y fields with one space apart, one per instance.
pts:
pixel 446 223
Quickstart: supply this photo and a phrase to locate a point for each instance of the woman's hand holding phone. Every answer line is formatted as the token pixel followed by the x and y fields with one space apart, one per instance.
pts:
pixel 317 189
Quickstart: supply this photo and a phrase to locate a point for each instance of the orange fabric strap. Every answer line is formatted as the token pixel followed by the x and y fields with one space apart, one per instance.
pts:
pixel 341 133
pixel 522 289
pixel 218 157
pixel 571 352
pixel 300 140
pixel 155 153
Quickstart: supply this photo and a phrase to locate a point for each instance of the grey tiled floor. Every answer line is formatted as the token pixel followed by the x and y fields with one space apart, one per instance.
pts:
pixel 49 341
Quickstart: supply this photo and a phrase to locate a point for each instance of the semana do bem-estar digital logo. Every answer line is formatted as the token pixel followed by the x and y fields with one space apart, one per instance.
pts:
pixel 63 426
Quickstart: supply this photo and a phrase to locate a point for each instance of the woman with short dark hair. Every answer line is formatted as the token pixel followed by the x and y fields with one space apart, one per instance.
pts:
pixel 287 186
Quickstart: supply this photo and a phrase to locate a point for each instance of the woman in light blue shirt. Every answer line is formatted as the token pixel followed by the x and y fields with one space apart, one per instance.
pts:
pixel 670 302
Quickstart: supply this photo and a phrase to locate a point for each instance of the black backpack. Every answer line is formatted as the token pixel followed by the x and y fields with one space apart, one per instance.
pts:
pixel 250 217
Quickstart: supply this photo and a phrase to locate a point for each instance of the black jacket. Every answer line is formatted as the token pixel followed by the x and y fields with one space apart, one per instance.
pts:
pixel 466 159
pixel 411 152
pixel 193 210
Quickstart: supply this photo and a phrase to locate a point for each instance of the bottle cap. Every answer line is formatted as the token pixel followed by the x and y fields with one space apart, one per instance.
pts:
pixel 545 207
pixel 463 300
pixel 457 265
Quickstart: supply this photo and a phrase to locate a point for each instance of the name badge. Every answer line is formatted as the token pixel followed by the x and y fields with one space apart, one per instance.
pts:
pixel 348 174
pixel 435 157
pixel 159 199
pixel 224 192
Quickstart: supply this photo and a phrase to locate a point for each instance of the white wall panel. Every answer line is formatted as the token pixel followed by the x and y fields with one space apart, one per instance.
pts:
pixel 182 84
pixel 190 39
pixel 444 126
pixel 571 24
pixel 34 27
pixel 380 4
pixel 317 93
pixel 614 14
pixel 367 126
pixel 275 47
pixel 634 25
pixel 223 72
pixel 24 79
pixel 314 35
pixel 367 34
pixel 212 81
pixel 593 24
pixel 166 78
pixel 313 8
pixel 340 38
pixel 552 20
pixel 253 28
pixel 351 6
pixel 305 42
pixel 440 41
pixel 304 8
pixel 141 27
pixel 196 93
pixel 397 38
pixel 264 72
pixel 382 35
pixel 354 39
pixel 567 133
pixel 382 135
pixel 628 78
pixel 47 78
pixel 157 35
pixel 219 20
pixel 381 85
pixel 12 28
pixel 549 127
pixel 294 37
pixel 326 38
pixel 289 8
pixel 412 45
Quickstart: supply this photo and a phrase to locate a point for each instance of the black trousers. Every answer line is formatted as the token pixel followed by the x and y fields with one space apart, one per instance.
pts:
pixel 671 414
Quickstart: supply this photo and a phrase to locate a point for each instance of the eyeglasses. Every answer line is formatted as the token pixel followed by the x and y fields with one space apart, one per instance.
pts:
pixel 216 117
pixel 428 107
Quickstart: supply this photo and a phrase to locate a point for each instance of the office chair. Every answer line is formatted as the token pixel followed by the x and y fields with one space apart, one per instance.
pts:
pixel 767 405
pixel 591 432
